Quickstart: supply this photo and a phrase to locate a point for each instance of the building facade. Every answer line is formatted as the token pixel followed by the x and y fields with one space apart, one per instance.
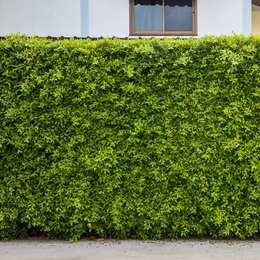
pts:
pixel 129 18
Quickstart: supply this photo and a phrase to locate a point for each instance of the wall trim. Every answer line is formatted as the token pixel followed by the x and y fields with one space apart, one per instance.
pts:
pixel 84 14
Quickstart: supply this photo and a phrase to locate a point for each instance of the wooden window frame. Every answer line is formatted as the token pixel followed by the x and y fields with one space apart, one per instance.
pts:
pixel 163 32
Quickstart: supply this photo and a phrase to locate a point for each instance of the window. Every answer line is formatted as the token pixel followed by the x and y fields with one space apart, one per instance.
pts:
pixel 163 17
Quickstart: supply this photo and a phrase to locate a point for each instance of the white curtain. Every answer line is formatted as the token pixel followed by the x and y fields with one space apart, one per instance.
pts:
pixel 148 17
pixel 178 18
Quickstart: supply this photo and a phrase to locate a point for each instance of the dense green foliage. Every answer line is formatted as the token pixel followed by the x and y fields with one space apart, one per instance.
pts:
pixel 142 138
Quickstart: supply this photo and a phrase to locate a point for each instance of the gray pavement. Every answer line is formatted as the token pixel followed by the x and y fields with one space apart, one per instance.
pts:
pixel 40 248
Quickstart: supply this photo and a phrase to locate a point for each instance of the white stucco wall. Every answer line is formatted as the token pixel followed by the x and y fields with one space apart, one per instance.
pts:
pixel 97 18
pixel 109 18
pixel 41 17
pixel 224 17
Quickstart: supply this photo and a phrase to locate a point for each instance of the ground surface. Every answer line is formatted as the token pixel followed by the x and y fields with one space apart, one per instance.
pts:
pixel 39 248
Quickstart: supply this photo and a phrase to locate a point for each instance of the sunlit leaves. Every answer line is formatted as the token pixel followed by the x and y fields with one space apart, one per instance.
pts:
pixel 146 138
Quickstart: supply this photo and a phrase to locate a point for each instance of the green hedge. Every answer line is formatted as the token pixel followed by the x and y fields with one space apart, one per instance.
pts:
pixel 141 138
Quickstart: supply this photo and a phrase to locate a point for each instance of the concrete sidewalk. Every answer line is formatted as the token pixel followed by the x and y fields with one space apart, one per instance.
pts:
pixel 40 248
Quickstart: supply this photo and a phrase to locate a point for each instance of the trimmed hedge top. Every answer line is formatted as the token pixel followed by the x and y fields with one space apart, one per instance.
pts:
pixel 140 138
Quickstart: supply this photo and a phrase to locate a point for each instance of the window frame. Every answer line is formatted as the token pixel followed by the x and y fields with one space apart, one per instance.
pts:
pixel 163 32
